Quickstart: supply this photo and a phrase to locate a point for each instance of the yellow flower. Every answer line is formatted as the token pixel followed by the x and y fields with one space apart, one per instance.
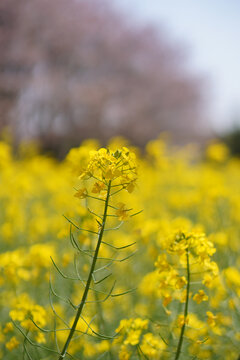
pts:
pixel 132 329
pixel 133 337
pixel 122 212
pixel 181 282
pixel 81 193
pixel 211 319
pixel 167 299
pixel 208 280
pixel 200 296
pixel 25 310
pixel 111 173
pixel 218 152
pixel 98 187
pixel 124 354
pixel 116 165
pixel 12 343
pixel 151 345
pixel 8 328
pixel 40 338
pixel 130 187
pixel 162 263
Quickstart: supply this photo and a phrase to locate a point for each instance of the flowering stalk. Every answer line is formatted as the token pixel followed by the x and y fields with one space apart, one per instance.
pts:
pixel 185 309
pixel 108 170
pixel 85 294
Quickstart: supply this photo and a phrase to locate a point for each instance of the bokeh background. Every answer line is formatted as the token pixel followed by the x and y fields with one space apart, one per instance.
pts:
pixel 77 69
pixel 72 70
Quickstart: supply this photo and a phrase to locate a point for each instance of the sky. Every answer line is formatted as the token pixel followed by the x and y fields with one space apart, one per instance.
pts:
pixel 210 30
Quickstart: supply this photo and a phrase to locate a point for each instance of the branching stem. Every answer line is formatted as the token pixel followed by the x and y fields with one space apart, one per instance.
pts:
pixel 84 297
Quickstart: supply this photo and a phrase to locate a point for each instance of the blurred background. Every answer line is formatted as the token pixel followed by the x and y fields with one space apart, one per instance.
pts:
pixel 77 69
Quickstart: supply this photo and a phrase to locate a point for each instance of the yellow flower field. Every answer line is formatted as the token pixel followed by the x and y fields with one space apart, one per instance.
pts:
pixel 120 254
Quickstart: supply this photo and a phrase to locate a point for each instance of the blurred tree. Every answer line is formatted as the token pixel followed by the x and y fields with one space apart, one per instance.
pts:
pixel 75 69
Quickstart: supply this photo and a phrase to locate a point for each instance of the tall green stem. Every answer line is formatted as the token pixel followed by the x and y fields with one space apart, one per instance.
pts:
pixel 179 347
pixel 84 297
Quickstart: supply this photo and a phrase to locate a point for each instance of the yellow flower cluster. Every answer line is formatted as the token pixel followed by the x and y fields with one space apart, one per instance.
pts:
pixel 135 339
pixel 184 196
pixel 18 266
pixel 105 164
pixel 30 316
pixel 105 167
pixel 169 280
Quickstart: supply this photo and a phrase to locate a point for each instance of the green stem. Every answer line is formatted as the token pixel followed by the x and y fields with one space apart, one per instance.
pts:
pixel 185 310
pixel 84 297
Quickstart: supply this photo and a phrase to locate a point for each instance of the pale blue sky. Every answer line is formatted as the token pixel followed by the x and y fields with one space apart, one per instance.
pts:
pixel 210 29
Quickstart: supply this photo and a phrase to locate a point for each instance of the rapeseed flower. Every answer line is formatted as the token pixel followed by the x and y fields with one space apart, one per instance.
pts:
pixel 184 197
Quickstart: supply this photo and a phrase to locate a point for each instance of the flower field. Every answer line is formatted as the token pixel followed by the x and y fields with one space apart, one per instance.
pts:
pixel 120 254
